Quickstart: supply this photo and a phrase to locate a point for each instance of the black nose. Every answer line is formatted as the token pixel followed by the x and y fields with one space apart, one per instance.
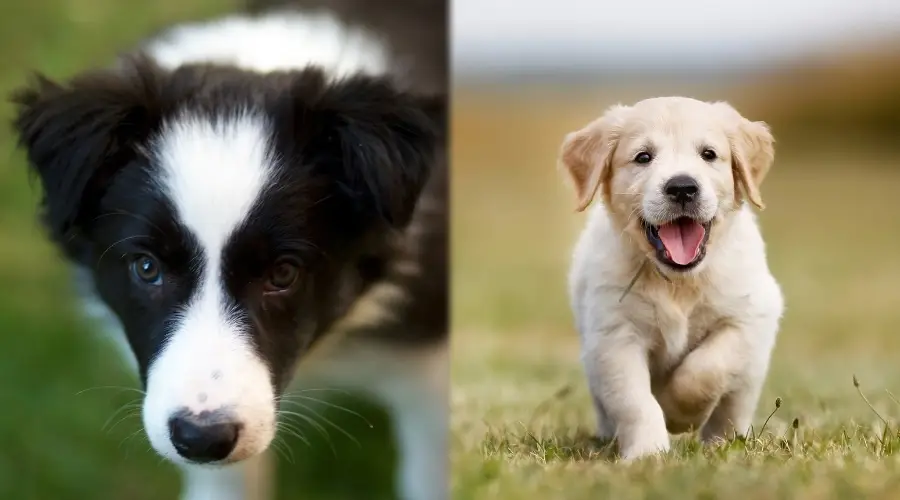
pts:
pixel 203 438
pixel 681 189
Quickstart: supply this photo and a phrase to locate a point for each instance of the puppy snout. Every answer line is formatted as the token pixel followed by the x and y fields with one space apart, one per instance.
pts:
pixel 205 437
pixel 682 189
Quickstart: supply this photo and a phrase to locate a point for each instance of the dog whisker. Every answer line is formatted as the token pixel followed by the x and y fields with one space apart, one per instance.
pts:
pixel 329 422
pixel 337 407
pixel 283 450
pixel 100 259
pixel 121 388
pixel 315 425
pixel 321 200
pixel 127 408
pixel 134 216
pixel 291 395
pixel 315 389
pixel 129 414
pixel 132 435
pixel 281 445
pixel 293 431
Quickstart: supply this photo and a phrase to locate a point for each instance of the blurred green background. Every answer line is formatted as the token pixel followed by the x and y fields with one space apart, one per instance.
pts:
pixel 522 417
pixel 65 429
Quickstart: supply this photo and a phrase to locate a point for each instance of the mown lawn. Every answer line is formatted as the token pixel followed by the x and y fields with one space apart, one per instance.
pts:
pixel 522 421
pixel 66 431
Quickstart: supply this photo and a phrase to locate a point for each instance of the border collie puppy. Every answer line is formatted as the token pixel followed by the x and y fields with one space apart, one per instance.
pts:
pixel 231 192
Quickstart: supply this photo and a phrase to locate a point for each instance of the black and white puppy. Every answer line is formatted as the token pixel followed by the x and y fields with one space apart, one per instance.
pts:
pixel 229 193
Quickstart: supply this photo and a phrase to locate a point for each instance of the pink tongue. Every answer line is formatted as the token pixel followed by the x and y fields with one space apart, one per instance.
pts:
pixel 682 239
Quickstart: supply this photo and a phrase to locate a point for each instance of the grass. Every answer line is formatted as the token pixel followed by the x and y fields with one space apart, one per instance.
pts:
pixel 522 420
pixel 66 430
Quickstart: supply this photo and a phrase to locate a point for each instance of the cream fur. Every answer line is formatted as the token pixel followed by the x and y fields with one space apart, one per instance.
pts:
pixel 682 349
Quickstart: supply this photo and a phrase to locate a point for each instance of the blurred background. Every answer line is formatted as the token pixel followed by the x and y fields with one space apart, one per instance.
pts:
pixel 69 425
pixel 825 75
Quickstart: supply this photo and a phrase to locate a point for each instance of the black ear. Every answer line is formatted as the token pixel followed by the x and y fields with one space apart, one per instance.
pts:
pixel 387 141
pixel 78 135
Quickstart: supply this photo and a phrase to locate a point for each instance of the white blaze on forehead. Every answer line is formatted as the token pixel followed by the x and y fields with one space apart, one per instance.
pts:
pixel 213 173
pixel 277 41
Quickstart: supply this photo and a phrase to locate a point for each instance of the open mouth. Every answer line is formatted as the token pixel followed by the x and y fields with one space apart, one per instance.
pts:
pixel 680 243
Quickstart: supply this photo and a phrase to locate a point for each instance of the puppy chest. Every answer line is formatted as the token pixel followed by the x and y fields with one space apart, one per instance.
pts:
pixel 674 330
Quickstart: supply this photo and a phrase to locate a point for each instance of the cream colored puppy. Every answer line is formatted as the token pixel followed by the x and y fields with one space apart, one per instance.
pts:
pixel 669 284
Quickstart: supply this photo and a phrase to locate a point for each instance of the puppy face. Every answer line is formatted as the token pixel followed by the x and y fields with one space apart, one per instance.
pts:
pixel 671 170
pixel 227 219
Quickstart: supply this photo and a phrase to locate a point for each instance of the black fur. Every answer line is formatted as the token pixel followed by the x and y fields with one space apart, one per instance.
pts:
pixel 417 32
pixel 79 135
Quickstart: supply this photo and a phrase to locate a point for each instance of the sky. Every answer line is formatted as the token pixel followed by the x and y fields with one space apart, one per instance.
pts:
pixel 497 36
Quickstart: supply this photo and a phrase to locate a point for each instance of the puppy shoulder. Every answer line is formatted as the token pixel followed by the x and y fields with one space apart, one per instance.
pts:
pixel 597 271
pixel 745 268
pixel 742 252
pixel 596 250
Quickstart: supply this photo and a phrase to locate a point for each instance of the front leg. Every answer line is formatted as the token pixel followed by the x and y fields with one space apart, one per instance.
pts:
pixel 248 480
pixel 413 384
pixel 417 398
pixel 225 483
pixel 703 378
pixel 618 373
pixel 734 414
pixel 606 431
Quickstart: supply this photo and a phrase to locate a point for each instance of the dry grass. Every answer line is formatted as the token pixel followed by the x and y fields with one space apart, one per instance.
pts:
pixel 522 422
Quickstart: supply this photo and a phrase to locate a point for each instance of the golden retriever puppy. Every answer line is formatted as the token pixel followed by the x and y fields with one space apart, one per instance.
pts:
pixel 672 295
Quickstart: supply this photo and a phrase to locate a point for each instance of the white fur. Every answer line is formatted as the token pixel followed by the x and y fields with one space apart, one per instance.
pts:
pixel 213 175
pixel 688 350
pixel 277 41
pixel 206 483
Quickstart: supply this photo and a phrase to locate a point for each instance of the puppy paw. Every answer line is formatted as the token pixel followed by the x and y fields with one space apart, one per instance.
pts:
pixel 716 439
pixel 643 442
pixel 684 416
pixel 689 397
pixel 683 425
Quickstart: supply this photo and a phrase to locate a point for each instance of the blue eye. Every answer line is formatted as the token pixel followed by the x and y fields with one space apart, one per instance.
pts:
pixel 643 158
pixel 147 270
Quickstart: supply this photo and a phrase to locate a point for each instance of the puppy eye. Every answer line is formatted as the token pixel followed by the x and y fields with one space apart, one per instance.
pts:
pixel 146 270
pixel 282 276
pixel 708 154
pixel 643 158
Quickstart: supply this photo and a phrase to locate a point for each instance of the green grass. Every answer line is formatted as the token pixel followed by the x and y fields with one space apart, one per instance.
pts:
pixel 522 419
pixel 64 432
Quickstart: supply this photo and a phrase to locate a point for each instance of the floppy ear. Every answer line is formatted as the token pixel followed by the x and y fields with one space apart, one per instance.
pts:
pixel 752 153
pixel 386 141
pixel 76 137
pixel 586 154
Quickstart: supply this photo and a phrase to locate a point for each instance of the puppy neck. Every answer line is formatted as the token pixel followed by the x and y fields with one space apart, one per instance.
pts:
pixel 647 278
pixel 654 284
